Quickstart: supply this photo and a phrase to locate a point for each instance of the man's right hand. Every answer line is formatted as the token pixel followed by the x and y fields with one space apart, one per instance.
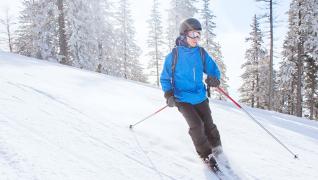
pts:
pixel 170 99
pixel 171 102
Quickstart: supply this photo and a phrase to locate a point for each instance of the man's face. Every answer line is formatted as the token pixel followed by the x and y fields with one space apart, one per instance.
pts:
pixel 193 37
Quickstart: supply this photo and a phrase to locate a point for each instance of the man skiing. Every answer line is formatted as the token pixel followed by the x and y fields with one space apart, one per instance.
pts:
pixel 182 82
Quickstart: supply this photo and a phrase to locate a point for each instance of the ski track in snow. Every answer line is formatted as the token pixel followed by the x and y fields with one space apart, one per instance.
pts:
pixel 16 167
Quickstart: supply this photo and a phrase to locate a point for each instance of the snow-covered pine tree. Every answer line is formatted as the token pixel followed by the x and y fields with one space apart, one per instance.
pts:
pixel 247 88
pixel 311 58
pixel 310 90
pixel 127 51
pixel 262 90
pixel 300 9
pixel 297 53
pixel 46 40
pixel 63 47
pixel 212 47
pixel 178 11
pixel 105 35
pixel 208 26
pixel 25 43
pixel 287 74
pixel 286 81
pixel 218 57
pixel 316 110
pixel 82 38
pixel 269 6
pixel 8 22
pixel 37 31
pixel 155 41
pixel 251 89
pixel 300 14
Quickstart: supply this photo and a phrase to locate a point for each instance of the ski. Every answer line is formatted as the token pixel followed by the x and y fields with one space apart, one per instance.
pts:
pixel 225 167
pixel 220 168
pixel 213 166
pixel 217 172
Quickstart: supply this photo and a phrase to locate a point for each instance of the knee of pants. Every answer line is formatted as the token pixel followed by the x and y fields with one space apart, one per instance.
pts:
pixel 214 131
pixel 194 121
pixel 197 134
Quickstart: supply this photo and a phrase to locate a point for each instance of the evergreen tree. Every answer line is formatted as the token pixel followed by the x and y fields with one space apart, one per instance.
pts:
pixel 208 26
pixel 127 49
pixel 298 53
pixel 36 35
pixel 218 57
pixel 286 82
pixel 300 9
pixel 252 89
pixel 180 10
pixel 311 75
pixel 63 47
pixel 105 35
pixel 81 34
pixel 25 43
pixel 269 6
pixel 8 23
pixel 287 75
pixel 46 39
pixel 311 57
pixel 261 95
pixel 209 44
pixel 299 13
pixel 82 39
pixel 155 41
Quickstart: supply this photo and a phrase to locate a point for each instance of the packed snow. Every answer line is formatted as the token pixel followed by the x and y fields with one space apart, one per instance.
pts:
pixel 59 122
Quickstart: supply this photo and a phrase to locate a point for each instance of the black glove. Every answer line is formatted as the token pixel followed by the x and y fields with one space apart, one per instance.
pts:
pixel 171 102
pixel 170 99
pixel 212 81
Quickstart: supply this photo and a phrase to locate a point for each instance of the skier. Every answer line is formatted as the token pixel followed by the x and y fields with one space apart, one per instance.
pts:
pixel 183 87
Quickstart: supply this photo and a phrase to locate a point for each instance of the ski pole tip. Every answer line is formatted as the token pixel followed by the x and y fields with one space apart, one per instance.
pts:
pixel 130 126
pixel 296 157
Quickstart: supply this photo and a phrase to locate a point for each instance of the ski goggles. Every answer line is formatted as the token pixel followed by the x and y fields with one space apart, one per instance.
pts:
pixel 194 34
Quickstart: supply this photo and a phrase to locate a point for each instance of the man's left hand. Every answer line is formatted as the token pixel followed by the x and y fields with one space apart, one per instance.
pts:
pixel 212 81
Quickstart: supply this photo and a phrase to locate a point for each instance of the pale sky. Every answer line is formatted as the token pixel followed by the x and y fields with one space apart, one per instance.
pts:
pixel 233 19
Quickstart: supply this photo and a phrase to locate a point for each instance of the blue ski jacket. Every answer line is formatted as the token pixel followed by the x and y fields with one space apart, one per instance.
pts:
pixel 188 75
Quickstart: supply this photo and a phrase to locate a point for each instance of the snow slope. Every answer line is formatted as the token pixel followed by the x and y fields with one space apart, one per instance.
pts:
pixel 63 123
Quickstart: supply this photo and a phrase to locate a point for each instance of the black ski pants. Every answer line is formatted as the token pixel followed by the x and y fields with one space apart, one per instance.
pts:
pixel 204 133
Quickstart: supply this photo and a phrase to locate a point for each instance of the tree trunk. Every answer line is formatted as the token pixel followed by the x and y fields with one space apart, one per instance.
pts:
pixel 62 35
pixel 125 43
pixel 7 23
pixel 257 91
pixel 157 51
pixel 270 55
pixel 9 34
pixel 299 65
pixel 253 96
pixel 312 104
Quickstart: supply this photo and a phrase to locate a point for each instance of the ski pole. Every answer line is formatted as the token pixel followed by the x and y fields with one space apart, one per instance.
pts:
pixel 131 126
pixel 208 90
pixel 240 107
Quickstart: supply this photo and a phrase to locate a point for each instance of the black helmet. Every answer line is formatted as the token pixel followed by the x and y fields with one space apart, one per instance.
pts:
pixel 189 25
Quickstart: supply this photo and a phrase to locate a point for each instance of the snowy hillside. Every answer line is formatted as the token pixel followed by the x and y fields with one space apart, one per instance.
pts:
pixel 62 123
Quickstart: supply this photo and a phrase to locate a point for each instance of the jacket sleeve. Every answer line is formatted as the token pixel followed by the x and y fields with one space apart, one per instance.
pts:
pixel 212 68
pixel 166 74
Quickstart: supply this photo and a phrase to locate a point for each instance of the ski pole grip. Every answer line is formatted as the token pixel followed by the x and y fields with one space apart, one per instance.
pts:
pixel 228 96
pixel 208 90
